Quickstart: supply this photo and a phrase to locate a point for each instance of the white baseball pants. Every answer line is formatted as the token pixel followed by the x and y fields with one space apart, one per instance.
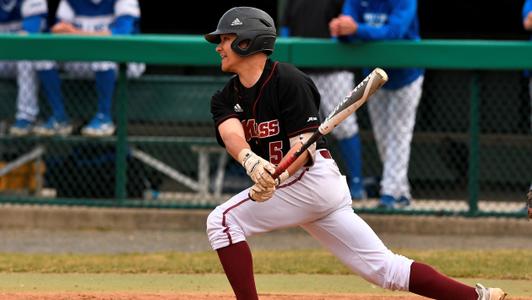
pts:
pixel 393 116
pixel 318 200
pixel 27 87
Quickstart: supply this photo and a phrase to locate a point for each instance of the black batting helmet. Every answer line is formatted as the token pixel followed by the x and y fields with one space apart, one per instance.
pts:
pixel 249 24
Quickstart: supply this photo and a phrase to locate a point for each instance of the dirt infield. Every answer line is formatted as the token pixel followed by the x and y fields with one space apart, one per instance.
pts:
pixel 209 296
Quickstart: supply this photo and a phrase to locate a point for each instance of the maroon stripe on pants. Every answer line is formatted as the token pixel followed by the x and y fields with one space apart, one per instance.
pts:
pixel 226 230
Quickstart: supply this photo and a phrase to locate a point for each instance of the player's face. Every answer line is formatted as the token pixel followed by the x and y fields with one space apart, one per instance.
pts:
pixel 230 59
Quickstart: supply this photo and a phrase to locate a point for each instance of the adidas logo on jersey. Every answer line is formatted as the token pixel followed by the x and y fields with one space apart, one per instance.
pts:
pixel 236 22
pixel 238 109
pixel 310 119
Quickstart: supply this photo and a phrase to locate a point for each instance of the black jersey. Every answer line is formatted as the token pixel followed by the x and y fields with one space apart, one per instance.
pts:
pixel 282 104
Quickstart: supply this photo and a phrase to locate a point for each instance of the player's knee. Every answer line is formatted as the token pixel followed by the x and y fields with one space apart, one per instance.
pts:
pixel 215 228
pixel 222 230
pixel 397 274
pixel 388 270
pixel 214 221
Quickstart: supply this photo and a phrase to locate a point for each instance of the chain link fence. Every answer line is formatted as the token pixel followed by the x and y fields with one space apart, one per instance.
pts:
pixel 472 140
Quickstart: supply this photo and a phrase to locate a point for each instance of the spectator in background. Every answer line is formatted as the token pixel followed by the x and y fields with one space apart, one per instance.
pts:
pixel 90 17
pixel 393 108
pixel 303 18
pixel 527 24
pixel 23 17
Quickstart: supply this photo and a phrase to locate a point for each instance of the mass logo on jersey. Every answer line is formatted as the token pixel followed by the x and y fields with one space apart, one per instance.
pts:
pixel 236 22
pixel 262 130
pixel 8 5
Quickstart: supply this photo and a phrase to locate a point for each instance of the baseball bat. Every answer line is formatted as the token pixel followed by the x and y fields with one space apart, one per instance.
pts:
pixel 351 103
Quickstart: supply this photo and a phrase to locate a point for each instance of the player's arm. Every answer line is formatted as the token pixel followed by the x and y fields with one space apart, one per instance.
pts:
pixel 233 137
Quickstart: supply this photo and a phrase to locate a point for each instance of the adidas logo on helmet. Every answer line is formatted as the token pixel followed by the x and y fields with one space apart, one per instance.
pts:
pixel 236 22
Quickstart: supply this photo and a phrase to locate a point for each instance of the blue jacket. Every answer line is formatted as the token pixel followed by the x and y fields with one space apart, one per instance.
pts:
pixel 386 20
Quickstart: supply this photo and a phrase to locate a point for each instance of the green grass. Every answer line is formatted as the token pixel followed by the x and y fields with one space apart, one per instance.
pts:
pixel 495 264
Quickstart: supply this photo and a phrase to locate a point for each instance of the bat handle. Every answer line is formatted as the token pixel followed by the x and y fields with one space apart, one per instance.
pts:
pixel 288 160
pixel 285 164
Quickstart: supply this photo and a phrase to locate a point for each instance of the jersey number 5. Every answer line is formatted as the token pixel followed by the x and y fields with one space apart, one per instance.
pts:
pixel 276 152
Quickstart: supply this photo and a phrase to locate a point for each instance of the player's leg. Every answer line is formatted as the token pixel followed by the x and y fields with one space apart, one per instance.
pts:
pixel 353 241
pixel 102 123
pixel 58 122
pixel 27 101
pixel 8 69
pixel 228 226
pixel 402 118
pixel 295 202
pixel 379 113
pixel 333 87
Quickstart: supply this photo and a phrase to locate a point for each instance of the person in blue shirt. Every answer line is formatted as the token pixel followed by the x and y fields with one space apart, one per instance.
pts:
pixel 89 17
pixel 303 18
pixel 393 108
pixel 23 17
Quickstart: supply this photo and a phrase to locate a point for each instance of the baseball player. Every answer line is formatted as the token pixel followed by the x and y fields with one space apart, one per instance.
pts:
pixel 90 17
pixel 23 17
pixel 393 109
pixel 265 111
pixel 311 19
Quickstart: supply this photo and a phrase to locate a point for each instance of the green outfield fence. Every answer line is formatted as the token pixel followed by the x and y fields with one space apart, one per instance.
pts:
pixel 471 152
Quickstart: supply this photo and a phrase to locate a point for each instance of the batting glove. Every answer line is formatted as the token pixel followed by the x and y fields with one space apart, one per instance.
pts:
pixel 258 169
pixel 259 193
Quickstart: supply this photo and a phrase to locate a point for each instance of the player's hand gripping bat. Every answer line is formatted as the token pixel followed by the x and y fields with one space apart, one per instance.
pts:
pixel 356 98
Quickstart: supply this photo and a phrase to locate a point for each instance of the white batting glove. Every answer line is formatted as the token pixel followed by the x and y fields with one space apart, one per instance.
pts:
pixel 258 169
pixel 259 193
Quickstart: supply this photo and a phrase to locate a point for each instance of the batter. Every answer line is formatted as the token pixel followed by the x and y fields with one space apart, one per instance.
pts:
pixel 265 111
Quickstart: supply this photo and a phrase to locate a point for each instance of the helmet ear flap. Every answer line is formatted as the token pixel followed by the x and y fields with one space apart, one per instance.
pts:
pixel 241 45
pixel 256 43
